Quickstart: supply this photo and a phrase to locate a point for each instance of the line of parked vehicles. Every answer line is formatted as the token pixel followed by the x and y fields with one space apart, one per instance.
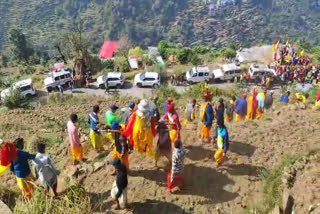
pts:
pixel 63 77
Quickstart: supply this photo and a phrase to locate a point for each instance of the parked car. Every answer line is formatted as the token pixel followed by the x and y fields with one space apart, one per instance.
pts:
pixel 62 77
pixel 227 72
pixel 115 79
pixel 25 87
pixel 198 74
pixel 259 70
pixel 151 79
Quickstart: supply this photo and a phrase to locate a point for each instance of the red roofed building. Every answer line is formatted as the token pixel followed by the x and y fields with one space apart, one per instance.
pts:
pixel 108 49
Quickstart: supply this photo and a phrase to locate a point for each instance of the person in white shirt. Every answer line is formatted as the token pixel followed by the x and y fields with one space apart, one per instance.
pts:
pixel 45 170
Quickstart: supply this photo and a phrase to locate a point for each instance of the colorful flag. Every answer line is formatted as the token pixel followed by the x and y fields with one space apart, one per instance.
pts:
pixel 302 53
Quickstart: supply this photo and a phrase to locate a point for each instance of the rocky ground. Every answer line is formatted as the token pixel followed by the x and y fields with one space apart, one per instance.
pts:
pixel 254 146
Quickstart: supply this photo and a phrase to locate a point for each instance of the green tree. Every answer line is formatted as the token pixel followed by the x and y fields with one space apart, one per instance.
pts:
pixel 163 47
pixel 137 52
pixel 196 60
pixel 184 55
pixel 122 64
pixel 228 52
pixel 19 45
pixel 4 60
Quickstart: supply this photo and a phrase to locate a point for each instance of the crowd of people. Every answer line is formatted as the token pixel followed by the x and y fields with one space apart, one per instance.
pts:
pixel 291 66
pixel 134 129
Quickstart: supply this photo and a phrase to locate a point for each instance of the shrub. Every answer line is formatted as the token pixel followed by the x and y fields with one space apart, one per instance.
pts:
pixel 27 70
pixel 184 55
pixel 122 64
pixel 137 52
pixel 196 60
pixel 14 99
pixel 200 49
pixel 228 52
pixel 75 201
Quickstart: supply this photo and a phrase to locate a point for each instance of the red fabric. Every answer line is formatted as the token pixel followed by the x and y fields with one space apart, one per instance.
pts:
pixel 107 49
pixel 170 107
pixel 129 128
pixel 254 99
pixel 8 154
pixel 177 180
pixel 318 96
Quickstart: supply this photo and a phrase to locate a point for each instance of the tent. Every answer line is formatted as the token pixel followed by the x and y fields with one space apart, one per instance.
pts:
pixel 107 50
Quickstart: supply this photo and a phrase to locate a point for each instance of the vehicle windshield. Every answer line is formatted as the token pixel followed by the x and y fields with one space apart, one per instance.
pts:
pixel 142 75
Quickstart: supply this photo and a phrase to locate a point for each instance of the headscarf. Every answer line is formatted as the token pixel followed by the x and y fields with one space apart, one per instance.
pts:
pixel 171 107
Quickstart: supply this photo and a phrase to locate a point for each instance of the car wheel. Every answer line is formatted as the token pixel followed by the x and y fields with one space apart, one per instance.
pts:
pixel 101 86
pixel 139 85
pixel 155 86
pixel 119 86
pixel 49 90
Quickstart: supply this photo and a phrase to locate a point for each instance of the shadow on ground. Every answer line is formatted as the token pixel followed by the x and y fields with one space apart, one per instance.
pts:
pixel 244 169
pixel 155 207
pixel 197 153
pixel 243 149
pixel 200 181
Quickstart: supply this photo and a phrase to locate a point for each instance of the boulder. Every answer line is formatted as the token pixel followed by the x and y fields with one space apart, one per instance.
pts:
pixel 4 209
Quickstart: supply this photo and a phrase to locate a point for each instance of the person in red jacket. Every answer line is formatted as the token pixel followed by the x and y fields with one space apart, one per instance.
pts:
pixel 8 154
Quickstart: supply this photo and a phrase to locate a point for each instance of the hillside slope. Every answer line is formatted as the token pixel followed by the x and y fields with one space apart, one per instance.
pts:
pixel 254 145
pixel 145 22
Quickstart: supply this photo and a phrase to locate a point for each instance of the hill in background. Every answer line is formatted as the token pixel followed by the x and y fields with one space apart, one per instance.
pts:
pixel 145 22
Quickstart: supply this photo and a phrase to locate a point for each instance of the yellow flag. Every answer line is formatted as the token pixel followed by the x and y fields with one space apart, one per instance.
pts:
pixel 287 43
pixel 302 53
pixel 273 48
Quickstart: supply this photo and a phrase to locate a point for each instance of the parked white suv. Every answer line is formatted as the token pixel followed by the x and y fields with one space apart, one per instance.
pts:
pixel 198 74
pixel 227 72
pixel 115 79
pixel 151 79
pixel 62 77
pixel 259 70
pixel 25 87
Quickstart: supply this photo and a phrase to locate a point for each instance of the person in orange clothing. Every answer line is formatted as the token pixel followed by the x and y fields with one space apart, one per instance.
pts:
pixel 172 119
pixel 252 105
pixel 207 117
pixel 121 146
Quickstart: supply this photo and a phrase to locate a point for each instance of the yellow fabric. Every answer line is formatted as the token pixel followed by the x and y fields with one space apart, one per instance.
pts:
pixel 205 132
pixel 26 185
pixel 77 153
pixel 142 138
pixel 251 112
pixel 219 156
pixel 96 140
pixel 317 104
pixel 203 110
pixel 238 117
pixel 227 118
pixel 124 159
pixel 173 135
pixel 259 113
pixel 111 137
pixel 301 97
pixel 3 169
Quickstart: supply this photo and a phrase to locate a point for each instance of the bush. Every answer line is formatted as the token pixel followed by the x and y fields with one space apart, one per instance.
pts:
pixel 137 52
pixel 122 64
pixel 27 70
pixel 196 60
pixel 200 49
pixel 184 55
pixel 75 201
pixel 14 99
pixel 228 52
